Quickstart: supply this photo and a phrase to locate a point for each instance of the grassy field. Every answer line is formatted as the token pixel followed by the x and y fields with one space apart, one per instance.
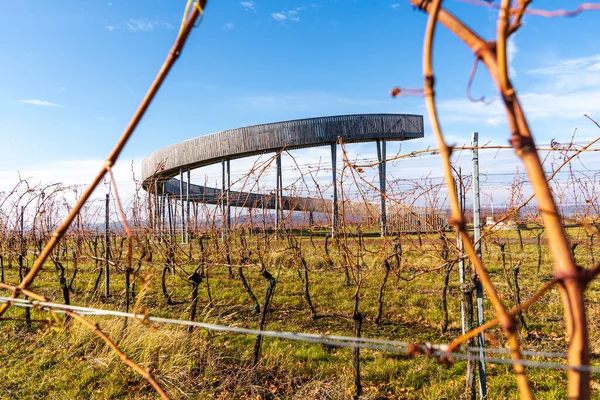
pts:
pixel 70 362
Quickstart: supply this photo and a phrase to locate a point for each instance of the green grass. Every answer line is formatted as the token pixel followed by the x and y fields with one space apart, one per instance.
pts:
pixel 71 362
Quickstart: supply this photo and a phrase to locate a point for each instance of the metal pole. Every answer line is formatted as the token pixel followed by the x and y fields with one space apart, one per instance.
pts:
pixel 187 212
pixel 381 156
pixel 334 215
pixel 278 211
pixel 182 205
pixel 107 249
pixel 228 197
pixel 22 269
pixel 223 199
pixel 163 216
pixel 171 218
pixel 159 215
pixel 163 212
pixel 155 207
pixel 21 237
pixel 476 239
pixel 459 245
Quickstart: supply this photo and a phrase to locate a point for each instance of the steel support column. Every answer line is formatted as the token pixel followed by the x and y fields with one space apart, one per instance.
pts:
pixel 334 202
pixel 478 287
pixel 381 156
pixel 460 247
pixel 107 254
pixel 225 200
pixel 155 209
pixel 187 211
pixel 163 211
pixel 278 199
pixel 182 205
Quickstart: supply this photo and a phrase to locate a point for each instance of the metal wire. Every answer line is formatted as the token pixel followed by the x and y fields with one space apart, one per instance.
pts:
pixel 434 350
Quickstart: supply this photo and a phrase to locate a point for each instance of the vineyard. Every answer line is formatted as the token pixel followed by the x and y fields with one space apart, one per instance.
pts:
pixel 407 289
pixel 342 283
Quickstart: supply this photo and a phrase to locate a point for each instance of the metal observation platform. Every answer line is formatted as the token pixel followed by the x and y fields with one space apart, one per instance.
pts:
pixel 160 169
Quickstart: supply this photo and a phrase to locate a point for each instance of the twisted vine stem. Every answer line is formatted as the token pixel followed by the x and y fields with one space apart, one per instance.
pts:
pixel 571 279
pixel 116 151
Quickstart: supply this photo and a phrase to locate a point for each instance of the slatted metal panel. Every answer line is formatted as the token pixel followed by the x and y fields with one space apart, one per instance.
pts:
pixel 208 195
pixel 420 220
pixel 258 139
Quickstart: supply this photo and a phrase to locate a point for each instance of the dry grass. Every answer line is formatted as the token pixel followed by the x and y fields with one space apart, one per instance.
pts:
pixel 70 362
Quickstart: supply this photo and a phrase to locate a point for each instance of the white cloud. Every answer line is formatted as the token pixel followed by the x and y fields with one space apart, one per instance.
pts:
pixel 564 90
pixel 140 25
pixel 279 17
pixel 73 172
pixel 248 5
pixel 562 105
pixel 493 121
pixel 289 15
pixel 110 27
pixel 42 103
pixel 570 75
pixel 513 50
pixel 395 5
pixel 229 25
pixel 105 119
pixel 464 110
pixel 569 66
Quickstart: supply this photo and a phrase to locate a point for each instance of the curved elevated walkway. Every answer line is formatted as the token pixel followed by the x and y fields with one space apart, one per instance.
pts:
pixel 265 138
pixel 209 195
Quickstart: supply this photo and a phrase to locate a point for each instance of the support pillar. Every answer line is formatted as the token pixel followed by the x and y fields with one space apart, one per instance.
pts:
pixel 381 157
pixel 171 211
pixel 225 200
pixel 334 201
pixel 107 248
pixel 278 199
pixel 478 286
pixel 460 247
pixel 155 209
pixel 163 211
pixel 182 205
pixel 187 211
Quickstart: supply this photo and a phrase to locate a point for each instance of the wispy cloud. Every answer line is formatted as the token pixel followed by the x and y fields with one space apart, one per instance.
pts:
pixel 465 111
pixel 229 25
pixel 395 5
pixel 570 75
pixel 73 172
pixel 42 103
pixel 567 88
pixel 140 25
pixel 561 91
pixel 591 63
pixel 248 5
pixel 288 15
pixel 279 17
pixel 103 119
pixel 513 50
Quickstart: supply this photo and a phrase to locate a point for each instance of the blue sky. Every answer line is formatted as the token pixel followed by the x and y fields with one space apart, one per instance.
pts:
pixel 72 72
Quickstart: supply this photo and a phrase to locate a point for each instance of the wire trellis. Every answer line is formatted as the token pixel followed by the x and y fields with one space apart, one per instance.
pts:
pixel 432 350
